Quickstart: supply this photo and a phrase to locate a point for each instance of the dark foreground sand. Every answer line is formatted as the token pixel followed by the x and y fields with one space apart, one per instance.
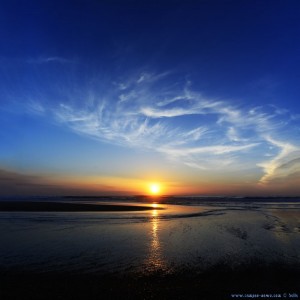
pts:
pixel 32 206
pixel 217 283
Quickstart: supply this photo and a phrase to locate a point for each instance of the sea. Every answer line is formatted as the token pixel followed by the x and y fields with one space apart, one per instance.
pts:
pixel 178 234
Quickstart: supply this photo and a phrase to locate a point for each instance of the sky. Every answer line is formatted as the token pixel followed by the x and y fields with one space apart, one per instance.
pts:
pixel 107 97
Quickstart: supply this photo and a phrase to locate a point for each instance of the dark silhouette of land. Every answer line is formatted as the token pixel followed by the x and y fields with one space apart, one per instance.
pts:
pixel 34 206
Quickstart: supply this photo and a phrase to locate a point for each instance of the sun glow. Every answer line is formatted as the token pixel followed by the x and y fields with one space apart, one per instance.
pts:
pixel 154 188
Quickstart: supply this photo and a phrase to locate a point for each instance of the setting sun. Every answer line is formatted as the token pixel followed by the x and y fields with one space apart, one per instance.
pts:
pixel 154 188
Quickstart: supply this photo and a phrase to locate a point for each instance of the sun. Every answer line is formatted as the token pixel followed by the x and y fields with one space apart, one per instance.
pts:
pixel 154 188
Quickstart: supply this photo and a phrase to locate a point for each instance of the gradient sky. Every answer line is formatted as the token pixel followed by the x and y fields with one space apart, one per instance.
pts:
pixel 104 97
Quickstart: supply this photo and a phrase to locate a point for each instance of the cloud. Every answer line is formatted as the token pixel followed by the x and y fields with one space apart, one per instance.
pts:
pixel 150 112
pixel 207 157
pixel 49 59
pixel 35 108
pixel 14 183
pixel 167 113
pixel 233 135
pixel 215 150
pixel 194 134
pixel 22 184
pixel 283 164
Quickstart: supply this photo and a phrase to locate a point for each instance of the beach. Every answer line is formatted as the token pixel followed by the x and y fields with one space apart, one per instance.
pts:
pixel 138 250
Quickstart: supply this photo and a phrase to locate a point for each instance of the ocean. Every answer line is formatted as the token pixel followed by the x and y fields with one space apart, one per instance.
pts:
pixel 190 238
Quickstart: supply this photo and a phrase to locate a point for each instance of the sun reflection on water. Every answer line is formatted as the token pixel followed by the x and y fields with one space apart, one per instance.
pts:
pixel 154 211
pixel 155 261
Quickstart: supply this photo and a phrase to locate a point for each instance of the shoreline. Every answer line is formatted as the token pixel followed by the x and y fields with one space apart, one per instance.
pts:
pixel 32 206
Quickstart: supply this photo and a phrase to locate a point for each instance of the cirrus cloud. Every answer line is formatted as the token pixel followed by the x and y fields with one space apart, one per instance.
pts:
pixel 146 111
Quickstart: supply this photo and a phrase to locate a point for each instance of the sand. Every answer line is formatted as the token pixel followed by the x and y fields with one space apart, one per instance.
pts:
pixel 218 283
pixel 242 249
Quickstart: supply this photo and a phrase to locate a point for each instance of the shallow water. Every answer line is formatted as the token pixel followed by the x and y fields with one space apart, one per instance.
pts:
pixel 177 237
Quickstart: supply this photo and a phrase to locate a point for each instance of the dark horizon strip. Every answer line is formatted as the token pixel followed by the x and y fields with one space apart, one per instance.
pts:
pixel 30 206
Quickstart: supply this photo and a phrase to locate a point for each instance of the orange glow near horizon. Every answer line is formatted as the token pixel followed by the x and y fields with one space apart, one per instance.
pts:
pixel 154 187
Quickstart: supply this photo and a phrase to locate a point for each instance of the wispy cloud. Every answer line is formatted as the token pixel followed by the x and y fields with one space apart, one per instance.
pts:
pixel 214 150
pixel 148 111
pixel 24 184
pixel 167 113
pixel 233 135
pixel 36 107
pixel 14 183
pixel 48 59
pixel 283 164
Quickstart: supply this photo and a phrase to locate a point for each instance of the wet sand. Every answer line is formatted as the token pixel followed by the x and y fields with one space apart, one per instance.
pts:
pixel 32 206
pixel 219 282
pixel 136 251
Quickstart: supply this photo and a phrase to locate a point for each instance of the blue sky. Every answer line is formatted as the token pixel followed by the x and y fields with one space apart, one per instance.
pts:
pixel 102 97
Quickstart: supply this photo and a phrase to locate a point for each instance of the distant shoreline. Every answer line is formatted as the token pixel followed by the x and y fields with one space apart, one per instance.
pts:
pixel 167 199
pixel 35 206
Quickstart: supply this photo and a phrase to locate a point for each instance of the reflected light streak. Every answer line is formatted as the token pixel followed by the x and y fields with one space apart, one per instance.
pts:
pixel 155 261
